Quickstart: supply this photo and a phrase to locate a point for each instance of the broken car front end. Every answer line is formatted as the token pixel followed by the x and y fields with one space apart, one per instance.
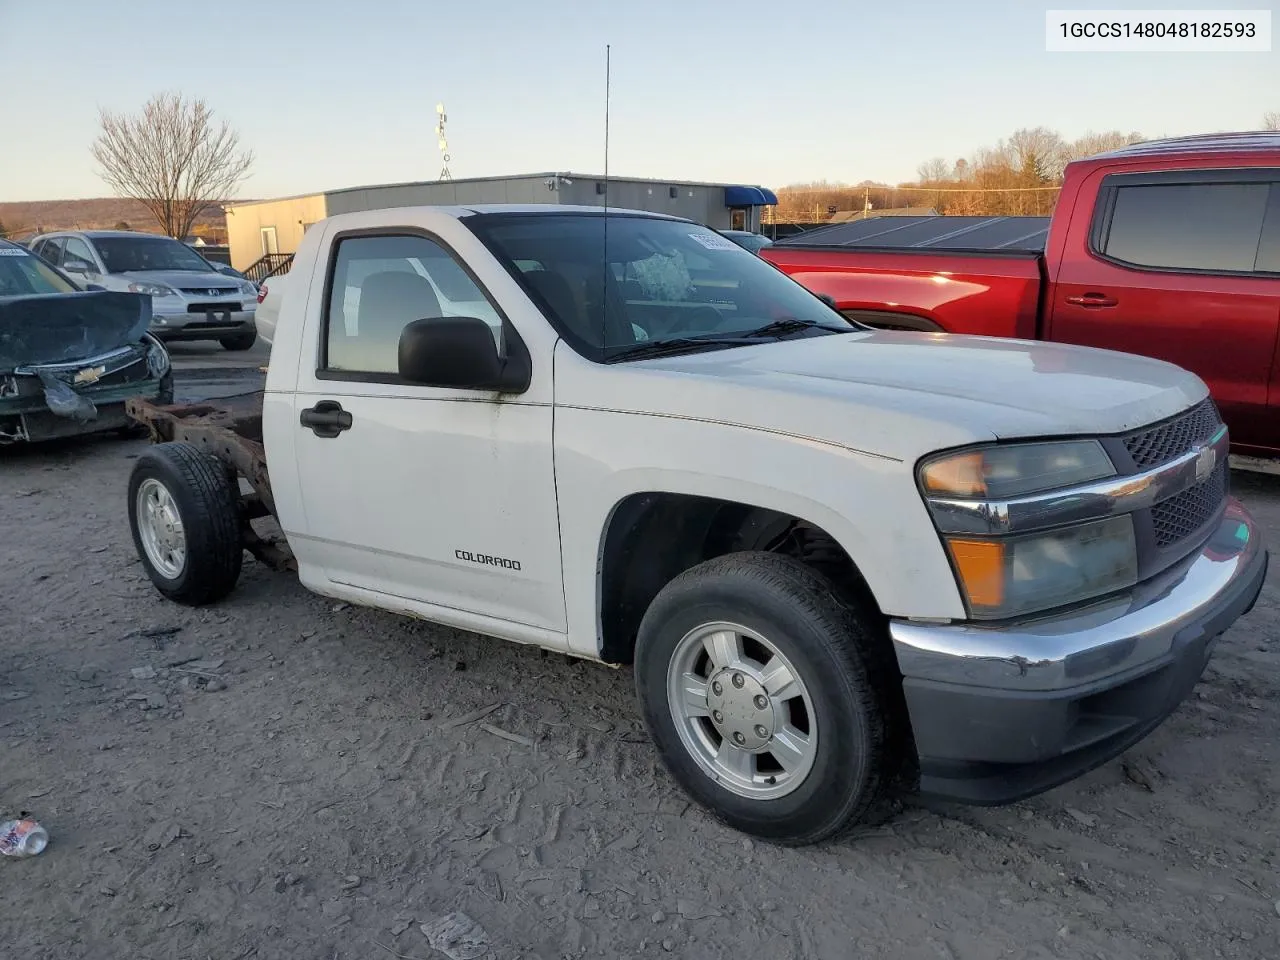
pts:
pixel 68 363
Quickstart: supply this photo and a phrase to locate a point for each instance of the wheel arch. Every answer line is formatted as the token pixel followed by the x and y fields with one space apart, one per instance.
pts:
pixel 893 320
pixel 652 536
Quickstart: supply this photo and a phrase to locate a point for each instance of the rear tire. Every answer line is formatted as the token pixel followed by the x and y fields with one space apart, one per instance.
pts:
pixel 816 751
pixel 185 517
pixel 240 341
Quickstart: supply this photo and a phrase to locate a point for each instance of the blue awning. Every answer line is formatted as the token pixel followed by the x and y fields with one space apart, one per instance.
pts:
pixel 744 196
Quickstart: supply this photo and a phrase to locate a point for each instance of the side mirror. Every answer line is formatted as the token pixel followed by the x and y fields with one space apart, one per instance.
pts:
pixel 829 300
pixel 71 265
pixel 460 352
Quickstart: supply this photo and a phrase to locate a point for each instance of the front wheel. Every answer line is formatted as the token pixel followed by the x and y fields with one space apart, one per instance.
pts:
pixel 240 341
pixel 769 699
pixel 185 518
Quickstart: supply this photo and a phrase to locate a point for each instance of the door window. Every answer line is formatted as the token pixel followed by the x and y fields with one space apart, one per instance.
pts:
pixel 51 250
pixel 382 284
pixel 1211 227
pixel 77 249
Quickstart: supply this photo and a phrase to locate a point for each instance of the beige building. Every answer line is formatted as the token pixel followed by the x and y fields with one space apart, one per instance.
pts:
pixel 276 226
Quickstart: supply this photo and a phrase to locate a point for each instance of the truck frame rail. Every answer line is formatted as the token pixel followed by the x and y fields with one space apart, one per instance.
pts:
pixel 229 430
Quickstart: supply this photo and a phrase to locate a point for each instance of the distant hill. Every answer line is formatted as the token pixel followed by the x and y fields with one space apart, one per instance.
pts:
pixel 25 218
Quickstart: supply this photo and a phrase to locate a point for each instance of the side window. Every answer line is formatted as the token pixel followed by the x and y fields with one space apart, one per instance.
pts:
pixel 51 250
pixel 382 284
pixel 1189 226
pixel 77 249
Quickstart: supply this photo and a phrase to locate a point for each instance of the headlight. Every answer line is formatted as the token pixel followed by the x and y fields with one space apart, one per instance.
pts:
pixel 151 289
pixel 1011 576
pixel 1006 571
pixel 1014 470
pixel 248 288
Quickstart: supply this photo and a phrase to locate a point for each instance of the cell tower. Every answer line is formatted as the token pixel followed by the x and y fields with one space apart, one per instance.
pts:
pixel 444 144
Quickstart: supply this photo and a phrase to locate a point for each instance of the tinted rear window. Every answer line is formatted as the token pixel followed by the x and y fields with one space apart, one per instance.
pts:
pixel 1201 226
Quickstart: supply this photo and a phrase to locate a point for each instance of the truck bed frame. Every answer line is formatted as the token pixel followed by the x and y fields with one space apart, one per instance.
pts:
pixel 229 429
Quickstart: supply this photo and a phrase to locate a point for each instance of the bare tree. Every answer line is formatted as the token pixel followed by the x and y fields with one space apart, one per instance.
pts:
pixel 933 171
pixel 1271 120
pixel 1094 143
pixel 173 157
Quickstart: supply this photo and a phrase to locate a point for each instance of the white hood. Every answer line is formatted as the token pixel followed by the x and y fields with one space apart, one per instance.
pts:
pixel 894 393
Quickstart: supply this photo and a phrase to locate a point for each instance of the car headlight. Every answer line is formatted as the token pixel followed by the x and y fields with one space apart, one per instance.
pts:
pixel 1014 470
pixel 1013 575
pixel 248 289
pixel 151 289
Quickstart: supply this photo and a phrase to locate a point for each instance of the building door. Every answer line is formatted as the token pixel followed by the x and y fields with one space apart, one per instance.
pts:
pixel 269 242
pixel 738 219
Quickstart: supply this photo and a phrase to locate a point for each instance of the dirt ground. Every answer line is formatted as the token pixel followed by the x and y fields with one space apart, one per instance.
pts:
pixel 284 777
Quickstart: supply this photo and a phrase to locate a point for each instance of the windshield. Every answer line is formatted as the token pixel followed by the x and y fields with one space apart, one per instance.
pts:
pixel 128 254
pixel 750 241
pixel 22 274
pixel 648 281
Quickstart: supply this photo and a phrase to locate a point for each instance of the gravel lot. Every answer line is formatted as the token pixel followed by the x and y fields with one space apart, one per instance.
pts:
pixel 283 777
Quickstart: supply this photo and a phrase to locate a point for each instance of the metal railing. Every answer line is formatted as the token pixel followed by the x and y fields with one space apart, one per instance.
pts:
pixel 268 265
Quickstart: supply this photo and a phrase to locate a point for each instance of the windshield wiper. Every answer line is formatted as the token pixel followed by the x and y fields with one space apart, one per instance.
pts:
pixel 785 325
pixel 674 345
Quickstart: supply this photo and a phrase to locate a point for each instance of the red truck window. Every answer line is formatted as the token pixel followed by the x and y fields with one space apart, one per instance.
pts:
pixel 1211 224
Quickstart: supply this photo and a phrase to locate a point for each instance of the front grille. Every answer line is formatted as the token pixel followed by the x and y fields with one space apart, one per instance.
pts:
pixel 209 291
pixel 1153 446
pixel 1182 515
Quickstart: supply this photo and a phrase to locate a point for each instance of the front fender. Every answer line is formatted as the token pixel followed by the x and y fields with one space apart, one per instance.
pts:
pixel 869 504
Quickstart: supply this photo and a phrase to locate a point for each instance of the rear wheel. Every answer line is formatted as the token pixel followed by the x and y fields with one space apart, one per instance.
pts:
pixel 185 518
pixel 767 697
pixel 240 341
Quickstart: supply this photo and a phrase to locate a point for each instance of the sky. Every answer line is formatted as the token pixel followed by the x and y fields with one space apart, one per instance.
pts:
pixel 339 93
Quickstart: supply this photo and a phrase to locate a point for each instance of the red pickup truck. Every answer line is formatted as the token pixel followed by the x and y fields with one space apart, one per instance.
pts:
pixel 1168 248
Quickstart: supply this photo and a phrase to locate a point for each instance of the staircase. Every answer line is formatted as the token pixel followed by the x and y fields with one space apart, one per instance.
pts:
pixel 269 265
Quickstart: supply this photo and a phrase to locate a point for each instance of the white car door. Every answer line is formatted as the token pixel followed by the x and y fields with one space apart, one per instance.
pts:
pixel 441 496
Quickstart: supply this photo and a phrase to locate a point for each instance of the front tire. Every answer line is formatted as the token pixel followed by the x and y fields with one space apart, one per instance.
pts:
pixel 769 699
pixel 185 517
pixel 240 341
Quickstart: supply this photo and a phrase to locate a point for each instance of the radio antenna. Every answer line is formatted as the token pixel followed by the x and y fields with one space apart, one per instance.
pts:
pixel 604 273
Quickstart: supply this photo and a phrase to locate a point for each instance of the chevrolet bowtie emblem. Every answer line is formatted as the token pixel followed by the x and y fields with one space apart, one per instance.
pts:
pixel 1206 460
pixel 90 374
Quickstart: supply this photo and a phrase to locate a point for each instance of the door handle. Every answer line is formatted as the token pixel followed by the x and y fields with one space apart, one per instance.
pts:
pixel 326 419
pixel 1093 300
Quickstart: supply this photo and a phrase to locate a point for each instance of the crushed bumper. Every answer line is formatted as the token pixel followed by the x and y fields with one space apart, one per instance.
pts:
pixel 1000 714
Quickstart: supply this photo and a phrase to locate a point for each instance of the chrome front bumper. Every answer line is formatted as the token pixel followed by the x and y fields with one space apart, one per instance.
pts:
pixel 1001 712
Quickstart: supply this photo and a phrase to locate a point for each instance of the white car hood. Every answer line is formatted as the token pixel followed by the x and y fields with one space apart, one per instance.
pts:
pixel 894 393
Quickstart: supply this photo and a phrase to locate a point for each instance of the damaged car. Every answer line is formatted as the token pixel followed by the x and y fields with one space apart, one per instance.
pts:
pixel 69 359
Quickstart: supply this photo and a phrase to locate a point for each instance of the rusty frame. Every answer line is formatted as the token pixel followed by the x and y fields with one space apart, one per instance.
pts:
pixel 230 431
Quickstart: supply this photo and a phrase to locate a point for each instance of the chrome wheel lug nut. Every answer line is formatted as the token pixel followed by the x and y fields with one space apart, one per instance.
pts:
pixel 716 688
pixel 761 702
pixel 761 732
pixel 739 739
pixel 738 680
pixel 717 716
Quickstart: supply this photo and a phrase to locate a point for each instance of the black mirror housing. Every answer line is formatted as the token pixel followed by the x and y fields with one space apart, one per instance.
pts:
pixel 460 352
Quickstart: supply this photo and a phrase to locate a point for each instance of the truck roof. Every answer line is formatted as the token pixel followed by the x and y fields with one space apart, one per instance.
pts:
pixel 1206 144
pixel 460 211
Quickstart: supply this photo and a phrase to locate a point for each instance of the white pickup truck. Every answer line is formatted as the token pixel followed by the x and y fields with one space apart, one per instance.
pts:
pixel 842 561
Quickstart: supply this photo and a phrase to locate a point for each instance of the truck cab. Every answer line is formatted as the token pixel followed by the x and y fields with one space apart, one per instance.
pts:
pixel 837 559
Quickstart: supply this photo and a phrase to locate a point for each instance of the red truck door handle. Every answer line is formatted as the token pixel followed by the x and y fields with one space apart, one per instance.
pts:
pixel 1093 300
